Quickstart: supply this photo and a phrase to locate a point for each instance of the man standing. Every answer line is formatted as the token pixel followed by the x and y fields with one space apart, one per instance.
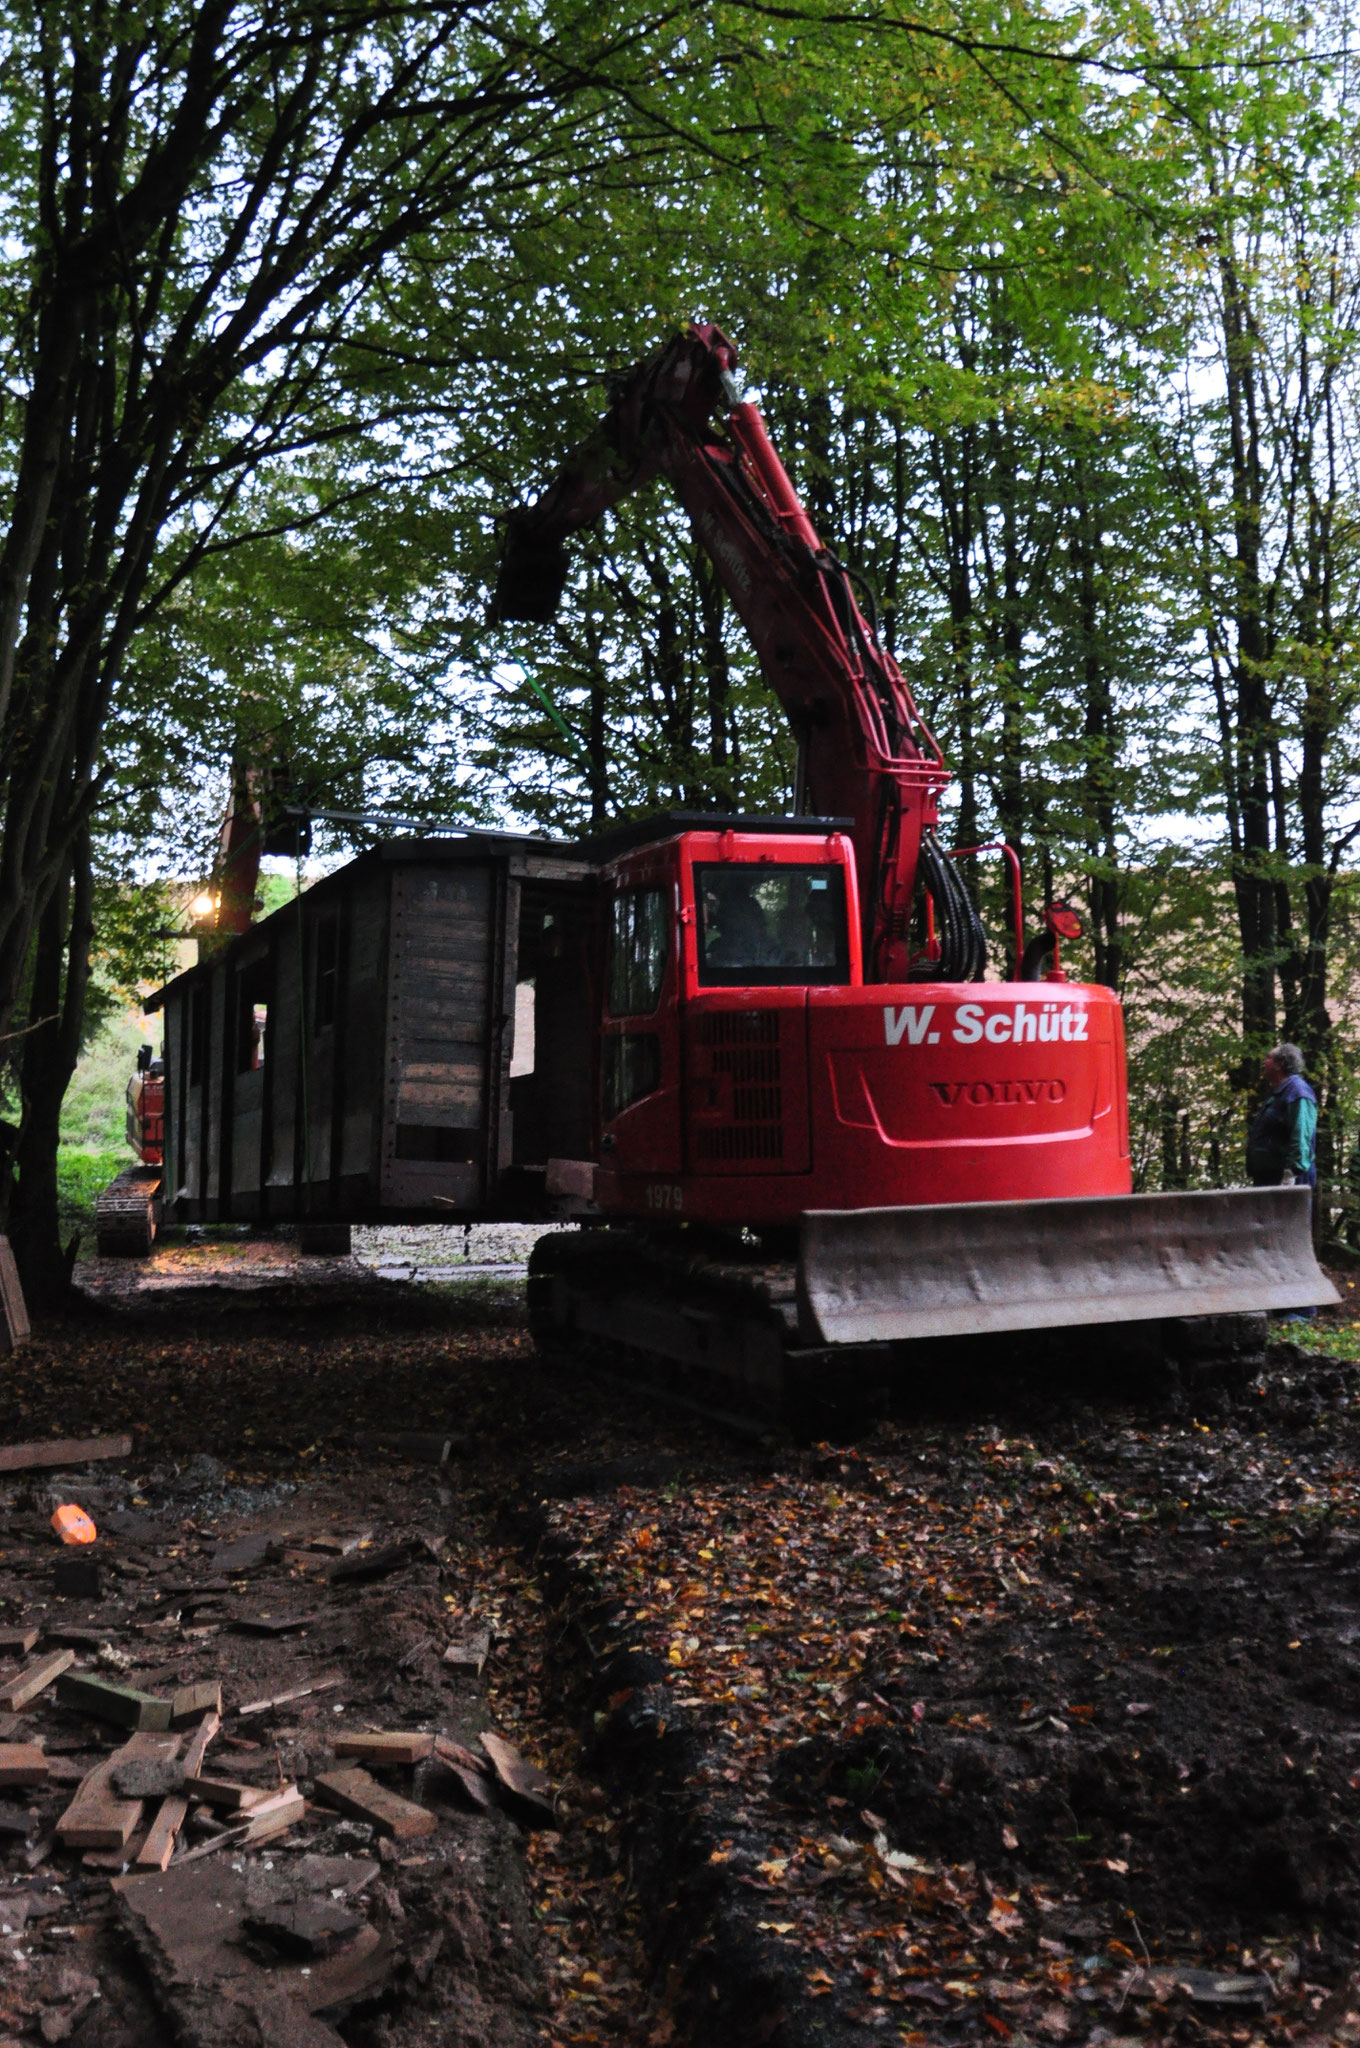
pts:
pixel 1281 1145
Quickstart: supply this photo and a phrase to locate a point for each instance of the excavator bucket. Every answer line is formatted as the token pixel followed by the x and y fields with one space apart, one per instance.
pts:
pixel 870 1276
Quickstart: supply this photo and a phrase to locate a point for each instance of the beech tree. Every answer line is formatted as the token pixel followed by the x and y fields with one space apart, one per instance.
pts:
pixel 205 206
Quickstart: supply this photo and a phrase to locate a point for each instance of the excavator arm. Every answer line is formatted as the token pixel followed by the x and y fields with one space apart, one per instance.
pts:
pixel 864 750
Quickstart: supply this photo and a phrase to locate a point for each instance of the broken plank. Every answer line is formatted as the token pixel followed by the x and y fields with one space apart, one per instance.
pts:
pixel 77 1450
pixel 470 1652
pixel 224 1795
pixel 468 1774
pixel 376 1564
pixel 325 1683
pixel 77 1635
pixel 271 1624
pixel 192 1702
pixel 529 1792
pixel 18 1641
pixel 35 1678
pixel 163 1833
pixel 22 1763
pixel 121 1704
pixel 96 1817
pixel 385 1748
pixel 341 1546
pixel 15 1328
pixel 355 1793
pixel 116 1859
pixel 273 1816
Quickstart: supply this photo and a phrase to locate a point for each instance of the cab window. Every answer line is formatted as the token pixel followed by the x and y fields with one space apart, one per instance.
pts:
pixel 768 926
pixel 639 944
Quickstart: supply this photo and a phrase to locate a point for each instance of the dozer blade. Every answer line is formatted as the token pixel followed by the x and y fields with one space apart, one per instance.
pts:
pixel 870 1276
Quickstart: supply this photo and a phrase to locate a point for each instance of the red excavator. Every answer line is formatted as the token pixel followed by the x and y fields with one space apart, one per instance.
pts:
pixel 822 1127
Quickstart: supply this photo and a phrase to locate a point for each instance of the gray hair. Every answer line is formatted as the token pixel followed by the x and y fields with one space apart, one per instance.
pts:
pixel 1288 1059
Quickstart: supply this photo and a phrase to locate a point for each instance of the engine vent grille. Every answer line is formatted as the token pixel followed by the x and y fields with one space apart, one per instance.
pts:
pixel 743 1045
pixel 739 1141
pixel 737 1027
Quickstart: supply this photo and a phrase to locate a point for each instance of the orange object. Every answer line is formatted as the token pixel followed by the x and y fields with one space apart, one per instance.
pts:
pixel 73 1525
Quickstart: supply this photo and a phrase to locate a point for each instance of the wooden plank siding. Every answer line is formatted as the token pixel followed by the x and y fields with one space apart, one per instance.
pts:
pixel 384 1089
pixel 441 960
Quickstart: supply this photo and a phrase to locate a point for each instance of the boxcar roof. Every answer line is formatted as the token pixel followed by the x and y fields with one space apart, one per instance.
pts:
pixel 589 852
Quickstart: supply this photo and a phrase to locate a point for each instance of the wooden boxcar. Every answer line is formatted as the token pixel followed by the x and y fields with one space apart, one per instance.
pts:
pixel 368 1051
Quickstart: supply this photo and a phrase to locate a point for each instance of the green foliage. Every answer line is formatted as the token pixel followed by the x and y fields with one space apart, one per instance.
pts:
pixel 94 1110
pixel 83 1171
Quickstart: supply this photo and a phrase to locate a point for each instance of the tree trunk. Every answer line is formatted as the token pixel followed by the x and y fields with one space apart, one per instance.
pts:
pixel 61 975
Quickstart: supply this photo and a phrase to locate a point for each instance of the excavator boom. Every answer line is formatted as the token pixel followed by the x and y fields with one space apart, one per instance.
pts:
pixel 865 752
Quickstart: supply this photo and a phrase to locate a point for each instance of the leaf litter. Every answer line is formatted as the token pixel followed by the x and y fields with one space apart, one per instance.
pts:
pixel 1036 1728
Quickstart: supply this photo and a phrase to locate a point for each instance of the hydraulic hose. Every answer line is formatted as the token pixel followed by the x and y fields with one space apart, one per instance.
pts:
pixel 963 942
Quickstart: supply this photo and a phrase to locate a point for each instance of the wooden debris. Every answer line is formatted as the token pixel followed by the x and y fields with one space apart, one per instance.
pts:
pixel 271 1624
pixel 304 1561
pixel 63 1770
pixel 224 1795
pixel 192 1702
pixel 470 1653
pixel 469 1773
pixel 25 1685
pixel 96 1817
pixel 342 1546
pixel 19 1641
pixel 354 1792
pixel 385 1749
pixel 77 1635
pixel 327 1682
pixel 22 1763
pixel 76 1578
pixel 186 1925
pixel 376 1564
pixel 304 1927
pixel 16 1825
pixel 245 1554
pixel 273 1816
pixel 529 1792
pixel 159 1845
pixel 62 1451
pixel 121 1704
pixel 14 1324
pixel 115 1859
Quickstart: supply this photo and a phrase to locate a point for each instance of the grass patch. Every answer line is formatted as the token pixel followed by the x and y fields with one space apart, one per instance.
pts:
pixel 83 1171
pixel 95 1110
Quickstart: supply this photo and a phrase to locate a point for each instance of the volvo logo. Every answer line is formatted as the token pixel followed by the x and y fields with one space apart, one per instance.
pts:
pixel 986 1094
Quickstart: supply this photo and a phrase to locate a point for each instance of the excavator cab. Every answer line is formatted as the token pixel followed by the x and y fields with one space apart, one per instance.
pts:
pixel 713 940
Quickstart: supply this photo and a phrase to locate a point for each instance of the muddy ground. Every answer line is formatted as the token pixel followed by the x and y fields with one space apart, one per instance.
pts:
pixel 1034 1715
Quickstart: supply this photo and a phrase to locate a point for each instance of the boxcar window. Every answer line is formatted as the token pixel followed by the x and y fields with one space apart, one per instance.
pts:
pixel 639 943
pixel 252 1016
pixel 768 926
